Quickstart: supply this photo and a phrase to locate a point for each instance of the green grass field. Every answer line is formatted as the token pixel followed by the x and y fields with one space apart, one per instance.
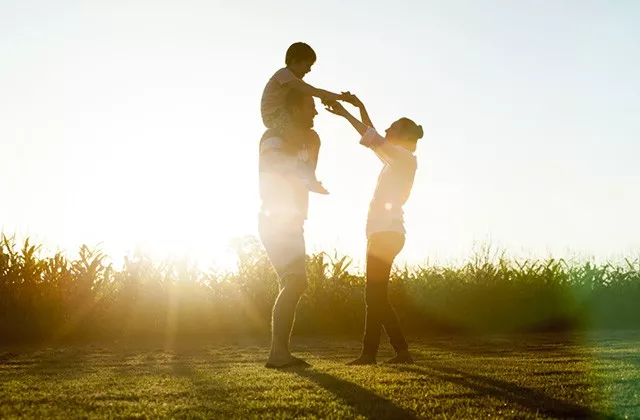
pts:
pixel 532 376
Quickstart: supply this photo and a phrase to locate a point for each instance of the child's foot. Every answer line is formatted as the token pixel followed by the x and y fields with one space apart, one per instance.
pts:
pixel 363 360
pixel 402 357
pixel 316 187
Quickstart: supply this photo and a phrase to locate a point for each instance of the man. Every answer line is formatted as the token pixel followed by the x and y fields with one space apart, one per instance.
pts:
pixel 285 200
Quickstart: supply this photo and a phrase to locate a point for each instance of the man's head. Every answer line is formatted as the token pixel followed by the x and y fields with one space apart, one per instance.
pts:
pixel 299 59
pixel 404 132
pixel 301 109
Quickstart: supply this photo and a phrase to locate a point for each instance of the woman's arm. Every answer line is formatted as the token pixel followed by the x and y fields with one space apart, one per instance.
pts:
pixel 370 137
pixel 336 108
pixel 355 101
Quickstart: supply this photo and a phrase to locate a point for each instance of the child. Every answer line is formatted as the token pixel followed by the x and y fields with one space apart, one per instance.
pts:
pixel 299 59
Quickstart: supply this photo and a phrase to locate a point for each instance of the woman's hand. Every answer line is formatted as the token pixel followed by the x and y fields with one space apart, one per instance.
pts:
pixel 336 108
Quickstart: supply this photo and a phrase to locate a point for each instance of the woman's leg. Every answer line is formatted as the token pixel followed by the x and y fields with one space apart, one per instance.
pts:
pixel 390 320
pixel 382 249
pixel 390 244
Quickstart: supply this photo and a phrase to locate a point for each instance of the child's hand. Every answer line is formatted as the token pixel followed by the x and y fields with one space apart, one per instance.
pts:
pixel 318 188
pixel 351 98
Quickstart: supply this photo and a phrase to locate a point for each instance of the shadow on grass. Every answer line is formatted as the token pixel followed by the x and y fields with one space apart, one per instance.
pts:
pixel 363 401
pixel 64 363
pixel 6 356
pixel 206 388
pixel 535 401
pixel 180 367
pixel 508 346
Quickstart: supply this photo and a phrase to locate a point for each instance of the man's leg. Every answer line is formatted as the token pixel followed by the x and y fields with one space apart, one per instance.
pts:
pixel 284 243
pixel 283 318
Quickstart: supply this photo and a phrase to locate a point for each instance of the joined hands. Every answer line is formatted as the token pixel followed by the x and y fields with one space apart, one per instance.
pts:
pixel 337 108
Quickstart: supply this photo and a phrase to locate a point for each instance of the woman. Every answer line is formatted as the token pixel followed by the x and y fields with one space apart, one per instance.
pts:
pixel 385 224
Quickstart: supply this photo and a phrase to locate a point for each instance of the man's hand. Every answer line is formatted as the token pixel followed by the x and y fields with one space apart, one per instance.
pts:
pixel 351 98
pixel 336 108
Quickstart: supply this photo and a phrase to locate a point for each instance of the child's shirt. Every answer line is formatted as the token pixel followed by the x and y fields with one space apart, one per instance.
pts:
pixel 274 95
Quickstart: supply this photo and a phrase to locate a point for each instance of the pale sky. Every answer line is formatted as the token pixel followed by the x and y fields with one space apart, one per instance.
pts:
pixel 136 123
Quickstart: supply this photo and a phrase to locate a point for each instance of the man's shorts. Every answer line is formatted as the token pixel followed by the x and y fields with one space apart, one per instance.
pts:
pixel 283 239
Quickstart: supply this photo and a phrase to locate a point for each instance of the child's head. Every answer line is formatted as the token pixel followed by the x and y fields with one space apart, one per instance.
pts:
pixel 299 59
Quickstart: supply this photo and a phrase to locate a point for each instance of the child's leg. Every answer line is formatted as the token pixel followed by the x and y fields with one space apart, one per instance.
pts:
pixel 313 148
pixel 277 121
pixel 312 144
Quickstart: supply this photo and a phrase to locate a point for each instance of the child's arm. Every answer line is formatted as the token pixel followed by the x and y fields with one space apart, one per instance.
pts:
pixel 307 89
pixel 284 76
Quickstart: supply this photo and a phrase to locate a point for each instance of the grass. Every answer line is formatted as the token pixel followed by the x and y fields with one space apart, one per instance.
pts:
pixel 523 376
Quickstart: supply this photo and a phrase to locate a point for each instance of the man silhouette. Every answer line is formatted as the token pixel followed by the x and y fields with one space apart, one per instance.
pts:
pixel 285 200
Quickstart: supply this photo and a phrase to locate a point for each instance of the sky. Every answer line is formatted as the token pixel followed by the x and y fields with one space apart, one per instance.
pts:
pixel 135 124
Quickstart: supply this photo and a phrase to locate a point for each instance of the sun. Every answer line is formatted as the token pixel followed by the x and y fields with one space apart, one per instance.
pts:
pixel 180 214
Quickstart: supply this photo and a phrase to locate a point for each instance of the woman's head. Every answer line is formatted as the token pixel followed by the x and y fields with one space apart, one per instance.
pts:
pixel 405 132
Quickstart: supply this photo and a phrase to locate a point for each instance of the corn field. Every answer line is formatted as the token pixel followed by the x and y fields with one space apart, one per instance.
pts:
pixel 55 298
